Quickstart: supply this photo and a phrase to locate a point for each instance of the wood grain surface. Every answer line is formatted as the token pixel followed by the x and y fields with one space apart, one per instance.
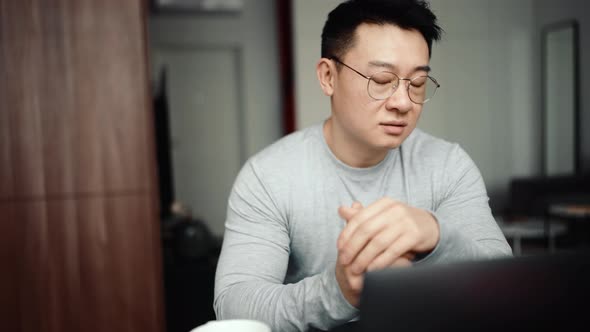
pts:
pixel 79 228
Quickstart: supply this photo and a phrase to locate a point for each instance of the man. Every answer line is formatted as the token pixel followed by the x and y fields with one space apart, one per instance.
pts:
pixel 364 190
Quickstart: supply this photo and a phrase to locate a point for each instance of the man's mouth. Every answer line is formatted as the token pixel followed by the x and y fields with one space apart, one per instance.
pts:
pixel 394 123
pixel 393 127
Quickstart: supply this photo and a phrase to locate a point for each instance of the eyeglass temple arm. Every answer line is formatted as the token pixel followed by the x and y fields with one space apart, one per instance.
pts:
pixel 335 59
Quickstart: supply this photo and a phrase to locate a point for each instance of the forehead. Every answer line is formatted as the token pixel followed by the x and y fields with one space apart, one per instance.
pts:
pixel 389 43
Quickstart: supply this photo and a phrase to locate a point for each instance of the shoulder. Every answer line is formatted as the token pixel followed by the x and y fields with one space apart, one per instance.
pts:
pixel 443 164
pixel 435 155
pixel 283 158
pixel 428 148
pixel 266 181
pixel 289 151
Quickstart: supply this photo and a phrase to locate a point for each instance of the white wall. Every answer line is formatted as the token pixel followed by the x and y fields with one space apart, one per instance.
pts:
pixel 486 102
pixel 254 32
pixel 224 98
pixel 549 12
pixel 487 99
pixel 308 19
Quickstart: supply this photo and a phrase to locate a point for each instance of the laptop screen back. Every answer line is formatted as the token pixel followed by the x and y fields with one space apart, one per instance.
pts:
pixel 508 294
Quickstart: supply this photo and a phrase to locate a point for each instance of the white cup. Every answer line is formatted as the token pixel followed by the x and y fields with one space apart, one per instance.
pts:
pixel 233 325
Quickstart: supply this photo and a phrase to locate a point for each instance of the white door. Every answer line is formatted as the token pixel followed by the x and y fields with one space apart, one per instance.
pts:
pixel 205 125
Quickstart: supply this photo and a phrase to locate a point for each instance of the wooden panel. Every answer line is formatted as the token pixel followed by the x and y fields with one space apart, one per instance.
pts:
pixel 11 235
pixel 62 277
pixel 33 295
pixel 112 106
pixel 56 90
pixel 43 274
pixel 113 263
pixel 21 53
pixel 48 275
pixel 126 214
pixel 84 264
pixel 78 224
pixel 79 236
pixel 126 117
pixel 101 297
pixel 6 171
pixel 77 101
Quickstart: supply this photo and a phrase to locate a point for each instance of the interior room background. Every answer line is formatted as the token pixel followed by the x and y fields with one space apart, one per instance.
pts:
pixel 224 84
pixel 80 238
pixel 489 65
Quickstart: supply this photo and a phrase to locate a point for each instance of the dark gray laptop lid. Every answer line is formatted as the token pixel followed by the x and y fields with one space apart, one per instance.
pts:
pixel 509 294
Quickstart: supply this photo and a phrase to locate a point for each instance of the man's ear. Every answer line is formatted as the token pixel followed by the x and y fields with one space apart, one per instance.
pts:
pixel 326 72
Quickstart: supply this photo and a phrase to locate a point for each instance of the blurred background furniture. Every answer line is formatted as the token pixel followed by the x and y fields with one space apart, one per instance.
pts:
pixel 531 229
pixel 547 212
pixel 577 217
pixel 190 254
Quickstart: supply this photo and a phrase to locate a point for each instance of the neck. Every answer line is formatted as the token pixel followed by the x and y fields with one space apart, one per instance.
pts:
pixel 349 150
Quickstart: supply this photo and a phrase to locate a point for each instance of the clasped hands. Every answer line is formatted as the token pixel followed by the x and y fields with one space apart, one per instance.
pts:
pixel 384 234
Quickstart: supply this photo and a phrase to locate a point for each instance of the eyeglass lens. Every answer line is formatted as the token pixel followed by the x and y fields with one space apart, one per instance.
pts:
pixel 420 89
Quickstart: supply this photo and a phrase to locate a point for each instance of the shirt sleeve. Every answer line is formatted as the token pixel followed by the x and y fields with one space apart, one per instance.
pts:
pixel 249 281
pixel 468 230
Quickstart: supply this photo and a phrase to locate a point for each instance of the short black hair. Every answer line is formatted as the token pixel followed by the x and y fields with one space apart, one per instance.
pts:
pixel 339 30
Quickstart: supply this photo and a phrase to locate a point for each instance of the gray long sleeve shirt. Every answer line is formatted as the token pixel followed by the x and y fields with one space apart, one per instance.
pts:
pixel 277 263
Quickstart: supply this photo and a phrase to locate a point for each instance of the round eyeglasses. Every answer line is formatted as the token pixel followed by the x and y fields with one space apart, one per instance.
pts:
pixel 382 85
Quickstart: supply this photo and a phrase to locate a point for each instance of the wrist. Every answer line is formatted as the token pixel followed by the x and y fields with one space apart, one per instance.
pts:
pixel 348 292
pixel 431 231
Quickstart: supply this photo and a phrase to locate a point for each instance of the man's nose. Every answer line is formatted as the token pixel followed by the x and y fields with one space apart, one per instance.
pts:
pixel 400 99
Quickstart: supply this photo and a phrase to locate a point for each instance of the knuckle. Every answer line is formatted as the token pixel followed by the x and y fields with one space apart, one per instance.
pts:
pixel 380 243
pixel 346 252
pixel 357 284
pixel 416 231
pixel 396 209
pixel 394 252
pixel 412 228
pixel 405 262
pixel 379 264
pixel 356 268
pixel 364 230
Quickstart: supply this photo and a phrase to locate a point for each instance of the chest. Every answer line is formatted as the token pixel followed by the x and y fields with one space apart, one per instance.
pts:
pixel 314 223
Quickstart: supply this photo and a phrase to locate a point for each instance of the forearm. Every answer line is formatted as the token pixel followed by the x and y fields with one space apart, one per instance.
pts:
pixel 468 230
pixel 254 263
pixel 459 241
pixel 314 301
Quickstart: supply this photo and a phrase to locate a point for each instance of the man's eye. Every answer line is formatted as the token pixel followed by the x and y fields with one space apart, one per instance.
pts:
pixel 383 78
pixel 418 82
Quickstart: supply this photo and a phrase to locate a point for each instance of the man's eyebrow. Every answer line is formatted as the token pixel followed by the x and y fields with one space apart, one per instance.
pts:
pixel 423 68
pixel 392 67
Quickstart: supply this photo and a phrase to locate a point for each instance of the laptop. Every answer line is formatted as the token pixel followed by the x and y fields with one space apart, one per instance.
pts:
pixel 545 292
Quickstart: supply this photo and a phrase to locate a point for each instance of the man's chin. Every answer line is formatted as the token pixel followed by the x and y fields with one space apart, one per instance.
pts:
pixel 392 142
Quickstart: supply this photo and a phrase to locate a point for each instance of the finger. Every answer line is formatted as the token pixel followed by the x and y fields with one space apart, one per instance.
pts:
pixel 363 237
pixel 376 245
pixel 402 262
pixel 355 281
pixel 399 249
pixel 346 212
pixel 364 225
pixel 409 255
pixel 362 215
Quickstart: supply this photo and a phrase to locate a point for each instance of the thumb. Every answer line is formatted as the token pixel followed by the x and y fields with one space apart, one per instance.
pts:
pixel 346 212
pixel 357 205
